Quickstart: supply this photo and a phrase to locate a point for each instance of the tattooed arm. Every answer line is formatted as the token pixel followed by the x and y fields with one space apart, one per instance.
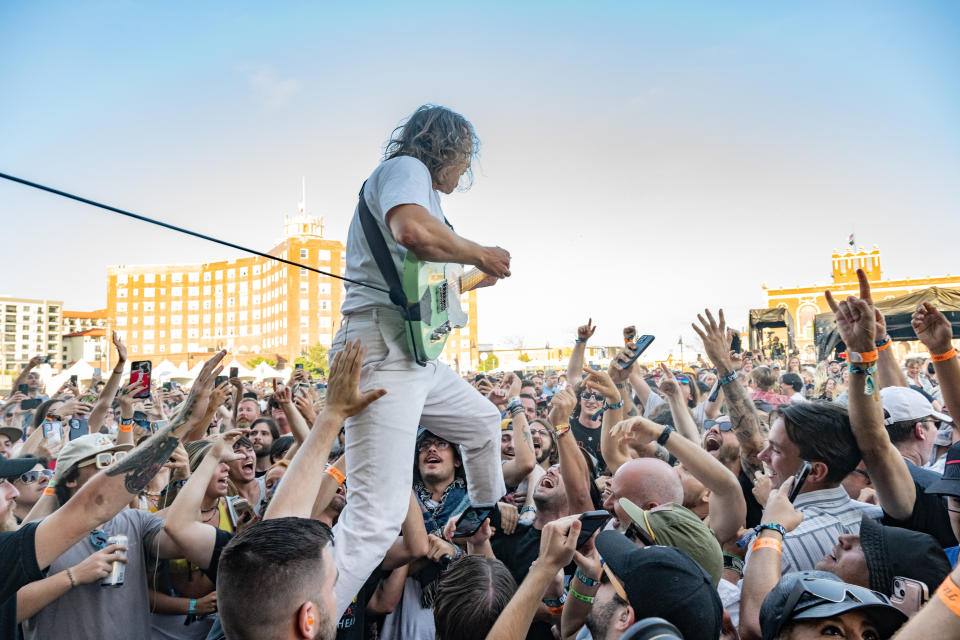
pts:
pixel 743 415
pixel 108 492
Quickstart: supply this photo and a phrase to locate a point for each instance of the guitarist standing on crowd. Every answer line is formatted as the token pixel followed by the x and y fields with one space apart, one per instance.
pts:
pixel 427 154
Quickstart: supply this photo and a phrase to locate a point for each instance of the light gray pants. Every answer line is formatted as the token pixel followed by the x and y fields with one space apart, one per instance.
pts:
pixel 380 442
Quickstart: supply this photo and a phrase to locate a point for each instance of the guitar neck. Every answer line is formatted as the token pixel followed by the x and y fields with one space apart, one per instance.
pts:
pixel 471 279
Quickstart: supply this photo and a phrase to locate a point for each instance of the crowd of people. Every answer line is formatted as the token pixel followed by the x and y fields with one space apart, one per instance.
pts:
pixel 395 499
pixel 729 499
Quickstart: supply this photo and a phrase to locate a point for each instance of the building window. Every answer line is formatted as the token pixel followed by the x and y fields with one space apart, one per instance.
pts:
pixel 193 292
pixel 219 275
pixel 176 278
pixel 206 290
pixel 194 277
pixel 176 306
pixel 121 307
pixel 176 292
pixel 323 255
pixel 193 305
pixel 206 276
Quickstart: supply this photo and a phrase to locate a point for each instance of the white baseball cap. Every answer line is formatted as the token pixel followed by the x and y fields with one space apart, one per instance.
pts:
pixel 904 403
pixel 85 447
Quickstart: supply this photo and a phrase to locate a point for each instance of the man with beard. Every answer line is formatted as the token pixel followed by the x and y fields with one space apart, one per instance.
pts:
pixel 247 411
pixel 519 550
pixel 243 475
pixel 263 432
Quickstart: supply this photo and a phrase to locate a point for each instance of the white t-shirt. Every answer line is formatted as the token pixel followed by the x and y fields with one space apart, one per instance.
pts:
pixel 401 180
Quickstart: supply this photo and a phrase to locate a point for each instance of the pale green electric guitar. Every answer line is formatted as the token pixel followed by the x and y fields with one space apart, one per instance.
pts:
pixel 433 294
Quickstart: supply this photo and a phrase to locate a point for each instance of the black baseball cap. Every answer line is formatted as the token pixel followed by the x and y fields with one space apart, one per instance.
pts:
pixel 814 595
pixel 686 596
pixel 15 467
pixel 893 551
pixel 949 484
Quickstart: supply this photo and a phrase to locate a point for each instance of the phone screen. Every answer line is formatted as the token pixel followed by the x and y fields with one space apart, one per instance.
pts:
pixel 140 372
pixel 472 519
pixel 589 523
pixel 52 430
pixel 234 372
pixel 24 389
pixel 220 380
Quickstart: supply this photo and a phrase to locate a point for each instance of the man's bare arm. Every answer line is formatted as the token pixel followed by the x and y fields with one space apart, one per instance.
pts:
pixel 106 493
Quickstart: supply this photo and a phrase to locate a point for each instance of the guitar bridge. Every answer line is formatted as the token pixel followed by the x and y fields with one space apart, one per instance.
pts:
pixel 440 331
pixel 442 297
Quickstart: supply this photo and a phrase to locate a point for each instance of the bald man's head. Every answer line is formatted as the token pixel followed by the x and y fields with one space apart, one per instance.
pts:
pixel 647 482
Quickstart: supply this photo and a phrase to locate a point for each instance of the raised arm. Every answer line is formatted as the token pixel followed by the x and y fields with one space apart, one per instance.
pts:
pixel 100 409
pixel 183 523
pixel 670 389
pixel 856 324
pixel 218 397
pixel 557 544
pixel 21 379
pixel 728 510
pixel 298 426
pixel 934 331
pixel 106 493
pixel 432 240
pixel 297 492
pixel 575 366
pixel 743 414
pixel 573 468
pixel 524 459
pixel 889 373
pixel 125 401
pixel 412 543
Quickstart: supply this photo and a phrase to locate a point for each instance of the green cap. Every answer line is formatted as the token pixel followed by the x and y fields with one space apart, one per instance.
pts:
pixel 673 525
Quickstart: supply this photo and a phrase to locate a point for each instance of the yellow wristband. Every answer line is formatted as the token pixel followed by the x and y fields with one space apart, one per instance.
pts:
pixel 337 475
pixel 943 357
pixel 949 594
pixel 767 543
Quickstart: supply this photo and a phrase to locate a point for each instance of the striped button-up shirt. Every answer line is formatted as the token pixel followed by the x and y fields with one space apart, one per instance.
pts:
pixel 827 514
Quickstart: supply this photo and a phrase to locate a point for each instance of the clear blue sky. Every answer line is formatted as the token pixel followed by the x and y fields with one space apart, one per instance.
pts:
pixel 640 160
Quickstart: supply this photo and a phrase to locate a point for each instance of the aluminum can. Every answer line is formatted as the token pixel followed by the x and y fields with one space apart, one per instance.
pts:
pixel 119 570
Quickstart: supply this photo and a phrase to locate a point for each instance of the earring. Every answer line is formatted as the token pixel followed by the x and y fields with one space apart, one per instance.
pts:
pixel 310 620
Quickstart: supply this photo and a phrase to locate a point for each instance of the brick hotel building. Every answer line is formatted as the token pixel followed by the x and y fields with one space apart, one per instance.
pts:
pixel 251 306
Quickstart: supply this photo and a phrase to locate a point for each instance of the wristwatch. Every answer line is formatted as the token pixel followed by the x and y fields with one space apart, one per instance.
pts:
pixel 667 430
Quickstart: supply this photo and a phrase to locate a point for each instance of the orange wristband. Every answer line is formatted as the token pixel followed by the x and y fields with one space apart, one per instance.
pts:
pixel 556 611
pixel 337 475
pixel 949 594
pixel 125 428
pixel 866 357
pixel 49 492
pixel 943 357
pixel 767 543
pixel 885 345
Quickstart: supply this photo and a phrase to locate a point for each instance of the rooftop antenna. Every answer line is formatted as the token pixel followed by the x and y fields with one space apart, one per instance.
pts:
pixel 303 197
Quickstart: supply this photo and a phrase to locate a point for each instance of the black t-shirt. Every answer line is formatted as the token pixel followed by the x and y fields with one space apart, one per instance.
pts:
pixel 754 509
pixel 352 624
pixel 589 439
pixel 18 566
pixel 929 516
pixel 223 538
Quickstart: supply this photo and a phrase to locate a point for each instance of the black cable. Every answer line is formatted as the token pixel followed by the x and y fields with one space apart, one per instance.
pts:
pixel 186 231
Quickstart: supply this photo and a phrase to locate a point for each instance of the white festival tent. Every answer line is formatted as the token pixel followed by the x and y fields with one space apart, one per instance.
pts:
pixel 264 371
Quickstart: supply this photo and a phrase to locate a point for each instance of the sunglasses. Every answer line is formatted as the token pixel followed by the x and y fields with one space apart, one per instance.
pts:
pixel 830 591
pixel 683 379
pixel 724 425
pixel 32 476
pixel 440 445
pixel 105 459
pixel 590 394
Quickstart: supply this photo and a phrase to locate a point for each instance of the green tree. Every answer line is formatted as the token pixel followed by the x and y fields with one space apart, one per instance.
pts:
pixel 314 360
pixel 254 362
pixel 491 363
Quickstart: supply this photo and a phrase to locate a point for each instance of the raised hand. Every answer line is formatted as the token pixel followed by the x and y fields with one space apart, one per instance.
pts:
pixel 558 542
pixel 305 407
pixel 779 508
pixel 510 385
pixel 207 604
pixel 121 349
pixel 585 332
pixel 126 398
pixel 616 371
pixel 343 394
pixel 716 340
pixel 856 317
pixel 637 430
pixel 219 395
pixel 932 328
pixel 222 447
pixel 668 385
pixel 179 464
pixel 601 382
pixel 562 404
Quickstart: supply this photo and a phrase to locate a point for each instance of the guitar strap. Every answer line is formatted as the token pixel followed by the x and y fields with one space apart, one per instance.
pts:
pixel 378 247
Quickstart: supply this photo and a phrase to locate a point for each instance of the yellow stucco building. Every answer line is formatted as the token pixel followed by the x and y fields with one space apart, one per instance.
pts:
pixel 805 302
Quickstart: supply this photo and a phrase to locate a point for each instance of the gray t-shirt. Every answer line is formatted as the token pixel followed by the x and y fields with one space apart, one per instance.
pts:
pixel 92 611
pixel 400 180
